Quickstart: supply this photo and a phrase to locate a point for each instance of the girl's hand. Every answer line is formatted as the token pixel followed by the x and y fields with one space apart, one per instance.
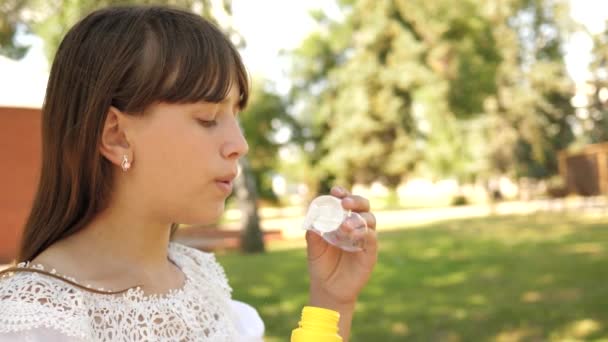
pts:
pixel 337 276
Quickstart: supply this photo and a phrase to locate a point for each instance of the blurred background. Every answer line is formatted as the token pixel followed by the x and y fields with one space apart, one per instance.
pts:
pixel 478 129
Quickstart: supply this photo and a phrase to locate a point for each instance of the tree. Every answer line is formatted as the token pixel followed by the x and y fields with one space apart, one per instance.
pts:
pixel 594 122
pixel 264 116
pixel 358 107
pixel 451 90
pixel 10 17
pixel 531 107
pixel 252 237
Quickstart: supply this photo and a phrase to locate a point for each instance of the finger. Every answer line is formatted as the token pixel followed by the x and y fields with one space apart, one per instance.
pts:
pixel 353 229
pixel 371 241
pixel 356 203
pixel 339 192
pixel 359 234
pixel 355 222
pixel 370 219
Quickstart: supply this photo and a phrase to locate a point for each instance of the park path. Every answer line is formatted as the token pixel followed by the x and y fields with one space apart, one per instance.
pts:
pixel 288 220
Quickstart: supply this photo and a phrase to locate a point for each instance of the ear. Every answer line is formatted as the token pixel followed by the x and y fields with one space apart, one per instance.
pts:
pixel 114 142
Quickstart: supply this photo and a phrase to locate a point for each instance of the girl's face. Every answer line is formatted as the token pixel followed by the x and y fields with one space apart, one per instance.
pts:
pixel 185 158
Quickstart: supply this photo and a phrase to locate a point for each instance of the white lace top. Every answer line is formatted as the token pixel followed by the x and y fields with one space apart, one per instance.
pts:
pixel 36 307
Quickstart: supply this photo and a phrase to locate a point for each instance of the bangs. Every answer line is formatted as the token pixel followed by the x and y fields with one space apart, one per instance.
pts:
pixel 186 59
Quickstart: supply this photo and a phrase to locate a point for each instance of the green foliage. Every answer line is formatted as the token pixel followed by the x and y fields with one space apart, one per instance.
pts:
pixel 595 122
pixel 501 278
pixel 265 115
pixel 532 105
pixel 10 17
pixel 461 90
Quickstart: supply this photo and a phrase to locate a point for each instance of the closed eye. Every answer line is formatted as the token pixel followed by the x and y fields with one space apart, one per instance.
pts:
pixel 207 123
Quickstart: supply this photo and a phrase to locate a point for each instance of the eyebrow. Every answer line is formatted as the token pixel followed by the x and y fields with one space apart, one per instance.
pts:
pixel 225 101
pixel 235 104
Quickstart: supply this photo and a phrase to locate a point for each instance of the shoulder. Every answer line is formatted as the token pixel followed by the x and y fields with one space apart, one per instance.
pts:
pixel 200 264
pixel 30 301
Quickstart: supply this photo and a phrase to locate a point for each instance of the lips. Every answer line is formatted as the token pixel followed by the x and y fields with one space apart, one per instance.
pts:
pixel 225 183
pixel 229 178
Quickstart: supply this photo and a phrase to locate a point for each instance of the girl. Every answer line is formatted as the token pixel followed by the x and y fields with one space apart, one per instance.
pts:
pixel 140 130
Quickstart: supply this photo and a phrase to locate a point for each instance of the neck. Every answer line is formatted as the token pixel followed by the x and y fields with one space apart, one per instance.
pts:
pixel 130 239
pixel 124 245
pixel 120 238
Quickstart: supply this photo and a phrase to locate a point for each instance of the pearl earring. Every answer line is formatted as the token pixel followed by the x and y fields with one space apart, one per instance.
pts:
pixel 126 165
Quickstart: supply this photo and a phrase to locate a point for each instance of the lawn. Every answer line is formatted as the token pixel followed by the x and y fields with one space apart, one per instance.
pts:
pixel 520 278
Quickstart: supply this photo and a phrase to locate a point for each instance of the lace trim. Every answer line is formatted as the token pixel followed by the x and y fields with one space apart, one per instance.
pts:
pixel 133 292
pixel 200 308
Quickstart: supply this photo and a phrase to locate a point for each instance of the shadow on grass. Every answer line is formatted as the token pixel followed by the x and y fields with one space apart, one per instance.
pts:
pixel 500 279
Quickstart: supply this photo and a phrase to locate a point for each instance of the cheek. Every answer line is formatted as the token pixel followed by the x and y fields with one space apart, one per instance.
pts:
pixel 158 155
pixel 178 161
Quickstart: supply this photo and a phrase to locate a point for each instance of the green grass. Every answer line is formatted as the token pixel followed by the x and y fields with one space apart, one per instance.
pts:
pixel 525 278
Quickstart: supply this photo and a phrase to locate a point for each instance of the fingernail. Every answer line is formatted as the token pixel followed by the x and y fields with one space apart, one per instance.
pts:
pixel 340 190
pixel 349 201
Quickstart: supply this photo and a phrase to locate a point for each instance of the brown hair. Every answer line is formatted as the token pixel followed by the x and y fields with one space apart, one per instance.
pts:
pixel 129 58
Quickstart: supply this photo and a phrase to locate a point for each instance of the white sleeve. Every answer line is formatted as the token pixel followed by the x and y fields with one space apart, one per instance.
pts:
pixel 37 335
pixel 248 322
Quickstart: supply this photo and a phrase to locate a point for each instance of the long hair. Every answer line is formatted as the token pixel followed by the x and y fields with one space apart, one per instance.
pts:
pixel 129 58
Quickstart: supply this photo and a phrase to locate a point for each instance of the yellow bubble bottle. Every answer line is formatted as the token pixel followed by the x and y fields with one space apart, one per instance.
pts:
pixel 317 325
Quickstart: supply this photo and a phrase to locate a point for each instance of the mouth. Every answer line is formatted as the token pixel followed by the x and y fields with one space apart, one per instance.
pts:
pixel 226 183
pixel 229 178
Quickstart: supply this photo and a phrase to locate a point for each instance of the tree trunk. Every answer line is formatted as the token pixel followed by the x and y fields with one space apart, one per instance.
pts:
pixel 252 238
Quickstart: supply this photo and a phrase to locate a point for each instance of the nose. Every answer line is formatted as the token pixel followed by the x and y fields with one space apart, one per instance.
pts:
pixel 235 145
